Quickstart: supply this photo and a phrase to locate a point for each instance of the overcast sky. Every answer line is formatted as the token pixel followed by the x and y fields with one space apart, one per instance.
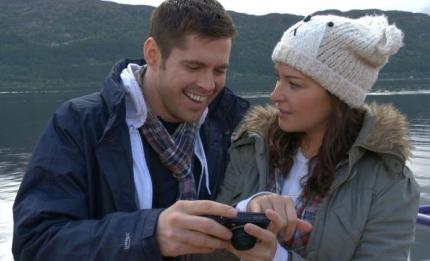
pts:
pixel 304 7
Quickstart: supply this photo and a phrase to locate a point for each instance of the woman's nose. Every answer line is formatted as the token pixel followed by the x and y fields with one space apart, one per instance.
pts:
pixel 276 95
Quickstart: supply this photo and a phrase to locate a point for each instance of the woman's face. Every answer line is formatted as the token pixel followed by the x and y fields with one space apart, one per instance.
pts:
pixel 304 105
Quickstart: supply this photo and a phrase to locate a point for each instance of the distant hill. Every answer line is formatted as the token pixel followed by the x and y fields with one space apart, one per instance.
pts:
pixel 51 44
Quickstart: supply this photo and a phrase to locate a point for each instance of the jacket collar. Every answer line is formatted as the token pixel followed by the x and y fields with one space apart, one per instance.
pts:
pixel 113 93
pixel 257 120
pixel 384 130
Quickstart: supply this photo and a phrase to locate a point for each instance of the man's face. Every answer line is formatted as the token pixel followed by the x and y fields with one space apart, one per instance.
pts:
pixel 190 78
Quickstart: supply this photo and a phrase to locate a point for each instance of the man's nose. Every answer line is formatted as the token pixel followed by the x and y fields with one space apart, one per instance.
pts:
pixel 206 81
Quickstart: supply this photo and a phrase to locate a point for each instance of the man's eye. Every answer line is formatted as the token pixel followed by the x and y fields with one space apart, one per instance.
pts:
pixel 220 71
pixel 192 67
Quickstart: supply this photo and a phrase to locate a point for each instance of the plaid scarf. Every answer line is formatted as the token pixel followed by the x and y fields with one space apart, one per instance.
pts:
pixel 306 210
pixel 175 152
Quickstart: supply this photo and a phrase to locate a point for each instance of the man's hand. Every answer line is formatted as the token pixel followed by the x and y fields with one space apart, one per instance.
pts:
pixel 284 207
pixel 182 229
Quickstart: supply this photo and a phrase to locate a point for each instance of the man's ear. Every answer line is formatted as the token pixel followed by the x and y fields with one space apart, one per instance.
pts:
pixel 151 52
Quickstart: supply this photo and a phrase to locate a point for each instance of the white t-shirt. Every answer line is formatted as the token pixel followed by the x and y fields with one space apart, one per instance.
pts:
pixel 292 184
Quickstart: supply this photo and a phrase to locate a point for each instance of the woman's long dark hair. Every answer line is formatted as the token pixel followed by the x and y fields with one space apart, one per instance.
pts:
pixel 342 130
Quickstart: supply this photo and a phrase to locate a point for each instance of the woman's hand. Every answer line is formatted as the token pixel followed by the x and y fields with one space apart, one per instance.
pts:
pixel 284 207
pixel 265 248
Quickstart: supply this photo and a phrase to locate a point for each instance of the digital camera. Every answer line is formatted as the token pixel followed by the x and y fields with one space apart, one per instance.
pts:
pixel 242 240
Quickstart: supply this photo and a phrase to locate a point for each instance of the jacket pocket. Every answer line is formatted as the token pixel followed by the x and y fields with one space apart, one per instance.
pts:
pixel 344 219
pixel 338 239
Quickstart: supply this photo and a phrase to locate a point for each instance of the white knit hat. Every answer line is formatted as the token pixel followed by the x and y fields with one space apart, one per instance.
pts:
pixel 343 55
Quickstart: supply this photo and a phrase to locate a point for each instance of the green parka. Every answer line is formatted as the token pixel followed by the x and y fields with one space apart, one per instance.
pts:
pixel 373 202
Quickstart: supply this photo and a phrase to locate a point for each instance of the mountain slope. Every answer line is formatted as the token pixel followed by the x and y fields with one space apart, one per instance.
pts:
pixel 50 44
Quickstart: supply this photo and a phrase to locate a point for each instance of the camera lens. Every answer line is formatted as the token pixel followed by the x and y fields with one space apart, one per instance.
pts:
pixel 242 240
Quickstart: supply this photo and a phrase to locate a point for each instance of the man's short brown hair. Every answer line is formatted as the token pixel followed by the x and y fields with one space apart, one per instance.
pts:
pixel 174 19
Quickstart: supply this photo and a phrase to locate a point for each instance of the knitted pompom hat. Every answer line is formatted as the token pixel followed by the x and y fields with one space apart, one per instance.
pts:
pixel 343 55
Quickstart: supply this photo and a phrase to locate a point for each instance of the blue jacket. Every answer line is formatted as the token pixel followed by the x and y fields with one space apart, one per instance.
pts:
pixel 77 198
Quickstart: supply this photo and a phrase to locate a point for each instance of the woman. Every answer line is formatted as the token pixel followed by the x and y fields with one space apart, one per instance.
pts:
pixel 341 162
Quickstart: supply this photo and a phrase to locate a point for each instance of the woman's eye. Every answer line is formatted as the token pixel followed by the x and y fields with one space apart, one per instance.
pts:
pixel 294 85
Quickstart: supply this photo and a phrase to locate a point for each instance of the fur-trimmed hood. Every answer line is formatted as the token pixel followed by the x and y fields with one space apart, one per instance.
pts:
pixel 384 130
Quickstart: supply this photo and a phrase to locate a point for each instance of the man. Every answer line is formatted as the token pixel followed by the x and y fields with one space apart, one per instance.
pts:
pixel 114 172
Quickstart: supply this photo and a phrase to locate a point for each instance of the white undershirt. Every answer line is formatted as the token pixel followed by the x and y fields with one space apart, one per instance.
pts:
pixel 290 187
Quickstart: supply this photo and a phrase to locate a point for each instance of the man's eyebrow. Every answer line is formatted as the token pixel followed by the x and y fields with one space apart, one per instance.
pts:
pixel 198 63
pixel 223 66
pixel 192 62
